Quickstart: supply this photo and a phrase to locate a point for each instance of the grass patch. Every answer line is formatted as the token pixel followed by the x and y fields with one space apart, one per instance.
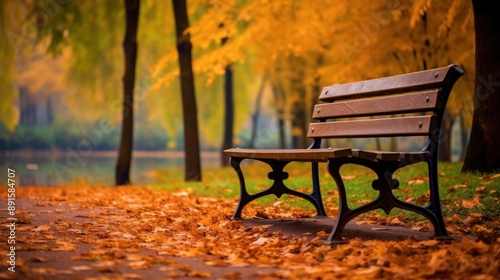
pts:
pixel 461 194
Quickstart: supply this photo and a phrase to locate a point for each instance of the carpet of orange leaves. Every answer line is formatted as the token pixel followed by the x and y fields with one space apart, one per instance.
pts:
pixel 121 221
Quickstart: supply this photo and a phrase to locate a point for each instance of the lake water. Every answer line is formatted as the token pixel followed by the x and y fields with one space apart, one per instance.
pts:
pixel 56 169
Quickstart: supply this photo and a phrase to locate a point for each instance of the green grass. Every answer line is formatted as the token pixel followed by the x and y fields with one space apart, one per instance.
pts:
pixel 460 193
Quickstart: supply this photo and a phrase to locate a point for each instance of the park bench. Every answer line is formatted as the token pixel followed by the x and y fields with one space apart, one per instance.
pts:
pixel 411 104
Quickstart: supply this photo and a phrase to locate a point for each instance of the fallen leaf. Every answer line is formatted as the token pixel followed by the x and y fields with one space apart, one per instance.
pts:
pixel 134 257
pixel 260 241
pixel 42 228
pixel 471 220
pixel 348 177
pixel 132 276
pixel 180 194
pixel 201 274
pixel 415 182
pixel 81 268
pixel 396 222
pixel 476 215
pixel 436 261
pixel 495 176
pixel 480 189
pixel 65 247
pixel 370 272
pixel 128 236
pixel 322 234
pixel 106 267
pixel 481 229
pixel 139 264
pixel 471 203
pixel 427 243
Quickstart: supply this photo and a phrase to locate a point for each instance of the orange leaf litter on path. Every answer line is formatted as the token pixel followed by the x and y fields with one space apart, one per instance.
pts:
pixel 141 233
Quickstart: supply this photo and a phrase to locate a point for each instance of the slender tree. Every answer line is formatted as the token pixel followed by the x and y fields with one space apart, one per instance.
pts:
pixel 256 113
pixel 229 111
pixel 483 154
pixel 122 175
pixel 190 112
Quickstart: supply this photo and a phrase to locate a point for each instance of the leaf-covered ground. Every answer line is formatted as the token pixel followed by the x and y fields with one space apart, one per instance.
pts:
pixel 141 233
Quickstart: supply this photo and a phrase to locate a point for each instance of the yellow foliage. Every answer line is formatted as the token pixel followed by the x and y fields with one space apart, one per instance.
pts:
pixel 298 46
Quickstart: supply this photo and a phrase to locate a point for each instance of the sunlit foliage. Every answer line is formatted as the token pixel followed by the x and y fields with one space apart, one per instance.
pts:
pixel 297 46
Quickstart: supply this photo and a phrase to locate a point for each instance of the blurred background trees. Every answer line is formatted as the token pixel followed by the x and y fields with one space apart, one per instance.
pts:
pixel 280 54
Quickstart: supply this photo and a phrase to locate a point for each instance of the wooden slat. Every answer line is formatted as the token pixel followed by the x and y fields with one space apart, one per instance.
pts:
pixel 396 104
pixel 391 156
pixel 428 79
pixel 289 154
pixel 387 127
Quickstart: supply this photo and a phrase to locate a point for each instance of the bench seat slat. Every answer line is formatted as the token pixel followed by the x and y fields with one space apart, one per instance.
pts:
pixel 317 155
pixel 387 127
pixel 397 104
pixel 391 156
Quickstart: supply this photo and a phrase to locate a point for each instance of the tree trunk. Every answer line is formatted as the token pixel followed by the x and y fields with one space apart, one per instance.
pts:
pixel 393 144
pixel 298 124
pixel 445 140
pixel 190 112
pixel 229 108
pixel 279 98
pixel 256 113
pixel 122 175
pixel 378 144
pixel 281 131
pixel 464 135
pixel 483 154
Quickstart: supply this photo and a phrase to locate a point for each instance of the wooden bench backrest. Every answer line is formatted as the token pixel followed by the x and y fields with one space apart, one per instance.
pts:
pixel 424 92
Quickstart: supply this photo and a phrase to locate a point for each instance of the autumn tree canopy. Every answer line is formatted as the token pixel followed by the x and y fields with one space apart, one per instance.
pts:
pixel 297 47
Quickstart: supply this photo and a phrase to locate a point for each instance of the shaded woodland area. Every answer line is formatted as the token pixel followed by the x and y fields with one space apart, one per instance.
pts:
pixel 91 70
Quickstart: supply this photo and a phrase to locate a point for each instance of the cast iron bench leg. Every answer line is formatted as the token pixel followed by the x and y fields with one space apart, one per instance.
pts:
pixel 434 204
pixel 386 199
pixel 278 188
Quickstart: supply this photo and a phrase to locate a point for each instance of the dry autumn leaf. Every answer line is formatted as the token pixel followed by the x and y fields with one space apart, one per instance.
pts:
pixel 201 274
pixel 415 182
pixel 427 243
pixel 495 176
pixel 81 267
pixel 139 264
pixel 471 220
pixel 348 177
pixel 42 228
pixel 436 261
pixel 471 203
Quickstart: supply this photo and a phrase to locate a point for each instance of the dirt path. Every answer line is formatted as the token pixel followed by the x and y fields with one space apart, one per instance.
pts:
pixel 47 259
pixel 135 233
